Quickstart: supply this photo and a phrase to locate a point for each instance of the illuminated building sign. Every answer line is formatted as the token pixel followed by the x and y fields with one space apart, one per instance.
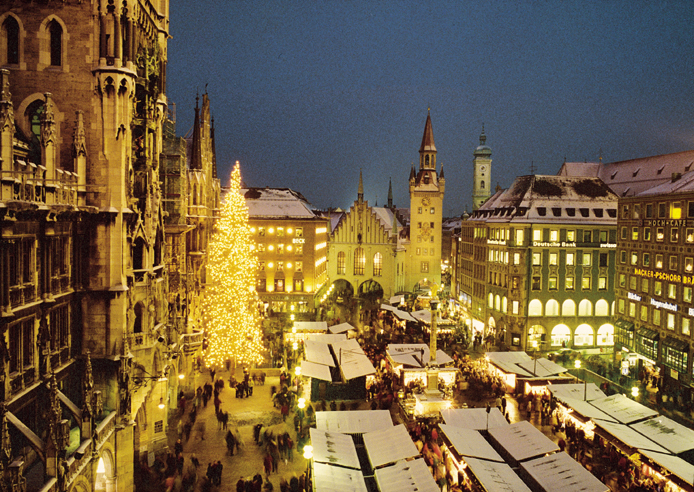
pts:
pixel 542 244
pixel 495 241
pixel 664 305
pixel 633 297
pixel 665 222
pixel 298 240
pixel 668 277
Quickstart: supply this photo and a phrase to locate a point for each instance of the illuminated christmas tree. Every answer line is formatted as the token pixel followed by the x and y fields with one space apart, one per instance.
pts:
pixel 233 322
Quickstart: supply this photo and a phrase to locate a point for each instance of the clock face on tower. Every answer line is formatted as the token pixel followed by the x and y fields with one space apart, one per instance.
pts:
pixel 483 168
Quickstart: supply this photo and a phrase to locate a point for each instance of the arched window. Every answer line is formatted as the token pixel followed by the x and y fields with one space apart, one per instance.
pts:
pixel 482 184
pixel 490 301
pixel 33 114
pixel 504 304
pixel 561 336
pixel 606 335
pixel 11 28
pixel 497 302
pixel 583 336
pixel 536 335
pixel 359 261
pixel 139 254
pixel 602 308
pixel 56 32
pixel 378 265
pixel 341 263
pixel 568 308
pixel 585 308
pixel 137 325
pixel 552 308
pixel 535 308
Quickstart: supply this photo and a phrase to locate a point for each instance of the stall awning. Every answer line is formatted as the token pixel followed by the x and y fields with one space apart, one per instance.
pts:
pixel 624 325
pixel 341 328
pixel 389 445
pixel 648 333
pixel 328 478
pixel 674 437
pixel 334 448
pixel 559 471
pixel 313 370
pixel 677 344
pixel 676 465
pixel 354 421
pixel 406 476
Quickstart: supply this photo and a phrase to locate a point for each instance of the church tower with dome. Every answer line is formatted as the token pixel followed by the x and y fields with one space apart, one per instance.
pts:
pixel 482 173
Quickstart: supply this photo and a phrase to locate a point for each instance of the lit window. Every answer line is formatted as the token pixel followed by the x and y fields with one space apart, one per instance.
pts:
pixel 552 283
pixel 644 285
pixel 569 283
pixel 571 236
pixel 261 231
pixel 686 326
pixel 644 313
pixel 621 306
pixel 537 234
pixel 634 258
pixel 659 261
pixel 261 247
pixel 537 259
pixel 514 307
pixel 519 237
pixel 656 317
pixel 635 234
pixel 622 280
pixel 280 232
pixel 673 262
pixel 432 210
pixel 359 261
pixel 632 309
pixel 554 235
pixel 299 232
pixel 689 235
pixel 646 233
pixel 261 266
pixel 378 265
pixel 424 267
pixel 587 259
pixel 657 288
pixel 687 294
pixel 676 210
pixel 570 259
pixel 280 249
pixel 299 266
pixel 553 258
pixel 516 258
pixel 280 266
pixel 659 234
pixel 602 283
pixel 341 257
pixel 674 234
pixel 585 283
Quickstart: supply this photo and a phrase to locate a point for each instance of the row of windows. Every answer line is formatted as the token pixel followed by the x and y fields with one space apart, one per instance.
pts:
pixel 432 211
pixel 644 284
pixel 569 283
pixel 297 249
pixel 662 210
pixel 646 234
pixel 655 317
pixel 570 259
pixel 11 33
pixel 280 265
pixel 673 260
pixel 278 231
pixel 568 308
pixel 548 234
pixel 359 263
pixel 280 285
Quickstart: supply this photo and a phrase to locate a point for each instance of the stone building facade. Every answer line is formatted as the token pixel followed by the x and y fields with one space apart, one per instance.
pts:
pixel 90 339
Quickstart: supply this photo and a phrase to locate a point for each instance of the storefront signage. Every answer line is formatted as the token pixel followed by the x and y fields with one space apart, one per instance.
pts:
pixel 496 241
pixel 298 240
pixel 633 297
pixel 542 244
pixel 664 305
pixel 608 245
pixel 669 277
pixel 665 222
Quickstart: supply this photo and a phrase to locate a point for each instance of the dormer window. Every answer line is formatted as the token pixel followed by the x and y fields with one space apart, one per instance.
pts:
pixel 541 211
pixel 635 173
pixel 597 212
pixel 571 212
pixel 660 171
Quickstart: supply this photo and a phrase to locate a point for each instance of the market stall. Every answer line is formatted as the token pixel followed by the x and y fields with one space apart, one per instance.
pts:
pixel 520 442
pixel 474 418
pixel 490 476
pixel 559 472
pixel 623 409
pixel 410 360
pixel 334 448
pixel 672 473
pixel 329 478
pixel 354 422
pixel 388 445
pixel 406 476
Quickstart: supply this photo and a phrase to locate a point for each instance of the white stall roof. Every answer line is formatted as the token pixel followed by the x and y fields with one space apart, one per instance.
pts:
pixel 424 315
pixel 311 326
pixel 623 409
pixel 676 466
pixel 318 352
pixel 559 471
pixel 674 437
pixel 576 391
pixel 389 445
pixel 352 359
pixel 334 448
pixel 496 477
pixel 474 418
pixel 469 442
pixel 508 362
pixel 629 436
pixel 418 350
pixel 388 307
pixel 353 422
pixel 585 409
pixel 341 328
pixel 523 440
pixel 313 370
pixel 542 367
pixel 406 476
pixel 396 299
pixel 405 359
pixel 403 315
pixel 328 478
pixel 325 337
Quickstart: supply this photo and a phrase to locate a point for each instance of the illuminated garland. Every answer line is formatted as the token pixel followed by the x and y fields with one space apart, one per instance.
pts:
pixel 232 319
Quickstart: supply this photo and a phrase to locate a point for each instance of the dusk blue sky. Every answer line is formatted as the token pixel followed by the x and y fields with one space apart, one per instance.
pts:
pixel 307 93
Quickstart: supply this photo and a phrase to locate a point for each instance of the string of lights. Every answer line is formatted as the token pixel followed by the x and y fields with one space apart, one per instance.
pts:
pixel 232 321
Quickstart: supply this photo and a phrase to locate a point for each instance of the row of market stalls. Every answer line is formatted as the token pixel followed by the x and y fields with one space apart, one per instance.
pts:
pixel 661 447
pixel 363 451
pixel 523 374
pixel 486 453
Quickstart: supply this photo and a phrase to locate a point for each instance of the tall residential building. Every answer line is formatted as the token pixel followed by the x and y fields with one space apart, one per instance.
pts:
pixel 538 263
pixel 90 338
pixel 292 244
pixel 655 279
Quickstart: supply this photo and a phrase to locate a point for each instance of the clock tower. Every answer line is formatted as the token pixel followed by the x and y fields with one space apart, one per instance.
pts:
pixel 427 188
pixel 482 173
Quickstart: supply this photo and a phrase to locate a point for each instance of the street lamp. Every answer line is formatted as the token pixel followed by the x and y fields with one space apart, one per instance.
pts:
pixel 635 392
pixel 308 454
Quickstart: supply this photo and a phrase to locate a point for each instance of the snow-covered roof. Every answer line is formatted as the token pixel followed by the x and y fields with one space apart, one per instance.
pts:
pixel 341 328
pixel 416 351
pixel 318 352
pixel 629 436
pixel 276 202
pixel 584 408
pixel 677 466
pixel 328 478
pixel 674 437
pixel 508 362
pixel 682 184
pixel 469 442
pixel 623 409
pixel 389 445
pixel 321 326
pixel 587 392
pixel 542 367
pixel 406 476
pixel 334 448
pixel 385 216
pixel 559 471
pixel 522 440
pixel 354 421
pixel 352 360
pixel 317 371
pixel 497 477
pixel 474 418
pixel 424 316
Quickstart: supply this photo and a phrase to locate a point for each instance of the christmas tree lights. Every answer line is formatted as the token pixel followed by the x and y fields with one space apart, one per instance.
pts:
pixel 232 319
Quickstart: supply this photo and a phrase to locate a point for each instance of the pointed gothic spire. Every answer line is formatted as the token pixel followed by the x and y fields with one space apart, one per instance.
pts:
pixel 441 173
pixel 214 150
pixel 428 137
pixel 196 158
pixel 360 191
pixel 483 137
pixel 390 193
pixel 412 173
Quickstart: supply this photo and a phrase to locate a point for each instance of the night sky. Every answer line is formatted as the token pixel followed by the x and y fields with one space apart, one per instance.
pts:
pixel 307 93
